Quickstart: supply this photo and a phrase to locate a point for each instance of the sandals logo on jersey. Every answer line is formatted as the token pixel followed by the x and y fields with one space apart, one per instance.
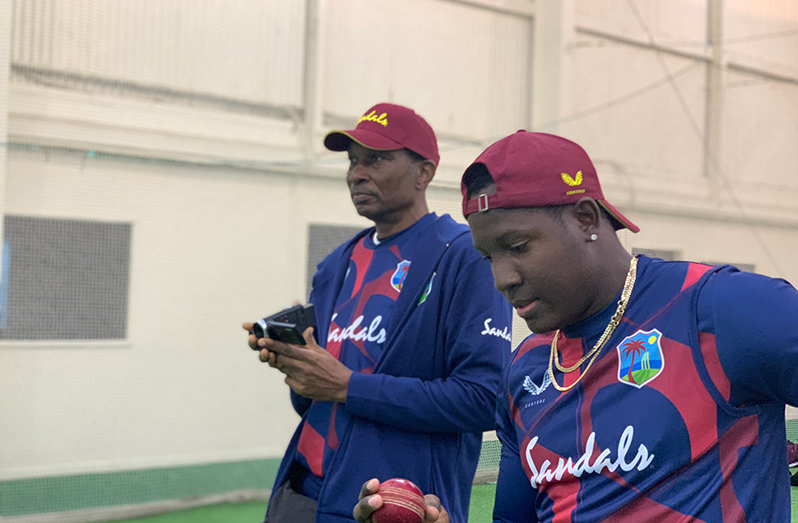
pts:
pixel 594 460
pixel 504 333
pixel 399 275
pixel 427 290
pixel 640 358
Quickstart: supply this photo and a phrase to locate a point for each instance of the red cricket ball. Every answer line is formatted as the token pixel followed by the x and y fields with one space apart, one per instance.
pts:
pixel 402 502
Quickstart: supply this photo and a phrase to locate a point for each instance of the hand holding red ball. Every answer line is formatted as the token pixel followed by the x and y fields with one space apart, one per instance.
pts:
pixel 402 502
pixel 397 500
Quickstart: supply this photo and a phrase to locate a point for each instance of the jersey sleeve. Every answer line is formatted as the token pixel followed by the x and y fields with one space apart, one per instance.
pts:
pixel 515 497
pixel 754 321
pixel 464 399
pixel 300 403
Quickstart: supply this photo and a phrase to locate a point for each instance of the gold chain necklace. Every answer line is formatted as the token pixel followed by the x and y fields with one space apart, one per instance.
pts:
pixel 628 285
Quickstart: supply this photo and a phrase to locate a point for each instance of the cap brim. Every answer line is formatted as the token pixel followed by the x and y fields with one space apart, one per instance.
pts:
pixel 340 140
pixel 622 221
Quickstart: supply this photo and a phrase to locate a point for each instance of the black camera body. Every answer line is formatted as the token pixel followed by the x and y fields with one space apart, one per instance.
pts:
pixel 287 325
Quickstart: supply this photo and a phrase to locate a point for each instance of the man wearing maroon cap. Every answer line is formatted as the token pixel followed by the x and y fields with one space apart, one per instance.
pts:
pixel 400 377
pixel 650 390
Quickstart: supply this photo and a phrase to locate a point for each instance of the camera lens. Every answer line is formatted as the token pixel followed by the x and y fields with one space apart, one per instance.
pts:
pixel 258 329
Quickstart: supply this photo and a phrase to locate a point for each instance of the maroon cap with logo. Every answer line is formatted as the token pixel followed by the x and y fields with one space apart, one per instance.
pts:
pixel 386 127
pixel 537 170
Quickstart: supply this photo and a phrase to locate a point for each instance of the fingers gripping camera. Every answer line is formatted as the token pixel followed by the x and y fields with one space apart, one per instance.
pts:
pixel 287 325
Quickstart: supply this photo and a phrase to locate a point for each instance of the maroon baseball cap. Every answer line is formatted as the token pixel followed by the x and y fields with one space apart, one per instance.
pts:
pixel 537 170
pixel 387 127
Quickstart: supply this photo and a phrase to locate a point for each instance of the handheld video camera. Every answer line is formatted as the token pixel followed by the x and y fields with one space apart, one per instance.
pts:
pixel 287 325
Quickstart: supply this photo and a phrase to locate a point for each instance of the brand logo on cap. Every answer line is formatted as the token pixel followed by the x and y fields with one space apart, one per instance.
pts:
pixel 573 182
pixel 372 117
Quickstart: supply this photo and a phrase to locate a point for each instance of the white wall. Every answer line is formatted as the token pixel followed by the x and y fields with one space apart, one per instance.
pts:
pixel 5 63
pixel 220 207
pixel 211 248
pixel 637 98
pixel 476 87
pixel 246 51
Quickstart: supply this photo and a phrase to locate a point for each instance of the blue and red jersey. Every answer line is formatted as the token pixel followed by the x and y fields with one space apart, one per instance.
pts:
pixel 680 418
pixel 358 330
pixel 423 396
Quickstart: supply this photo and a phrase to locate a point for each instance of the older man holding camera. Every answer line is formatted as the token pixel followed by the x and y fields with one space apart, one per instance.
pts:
pixel 412 335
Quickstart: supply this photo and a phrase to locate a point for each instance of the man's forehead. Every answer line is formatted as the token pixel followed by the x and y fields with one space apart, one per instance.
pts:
pixel 356 148
pixel 495 224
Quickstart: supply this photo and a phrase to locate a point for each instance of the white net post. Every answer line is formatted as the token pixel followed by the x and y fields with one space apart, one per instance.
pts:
pixel 5 67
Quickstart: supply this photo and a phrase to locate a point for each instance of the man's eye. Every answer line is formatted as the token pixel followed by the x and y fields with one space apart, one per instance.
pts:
pixel 519 248
pixel 375 158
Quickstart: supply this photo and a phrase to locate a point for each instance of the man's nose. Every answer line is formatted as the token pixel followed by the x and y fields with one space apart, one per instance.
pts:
pixel 505 275
pixel 356 173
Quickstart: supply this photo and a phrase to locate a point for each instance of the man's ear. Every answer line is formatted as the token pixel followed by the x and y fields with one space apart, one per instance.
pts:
pixel 587 214
pixel 425 174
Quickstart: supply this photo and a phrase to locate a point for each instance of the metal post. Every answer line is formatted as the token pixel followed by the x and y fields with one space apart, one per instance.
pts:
pixel 5 69
pixel 553 27
pixel 714 90
pixel 311 97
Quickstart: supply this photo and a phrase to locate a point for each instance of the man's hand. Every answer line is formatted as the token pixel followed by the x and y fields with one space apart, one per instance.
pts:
pixel 371 501
pixel 270 358
pixel 310 371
